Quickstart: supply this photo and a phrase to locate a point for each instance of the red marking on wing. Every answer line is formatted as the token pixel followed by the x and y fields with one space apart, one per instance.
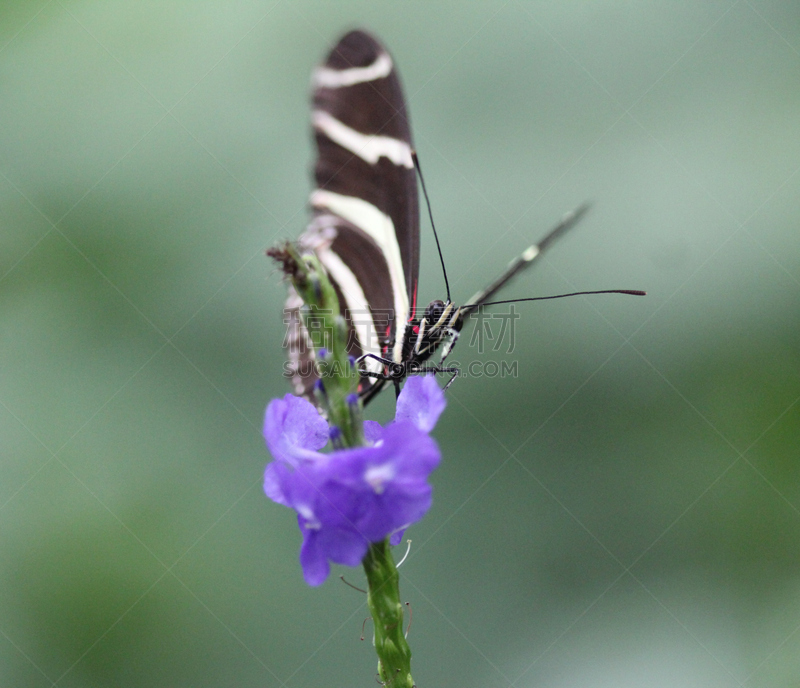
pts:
pixel 385 347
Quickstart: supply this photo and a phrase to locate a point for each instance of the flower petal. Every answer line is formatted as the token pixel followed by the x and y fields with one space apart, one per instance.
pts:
pixel 421 401
pixel 351 497
pixel 344 546
pixel 372 431
pixel 312 559
pixel 274 481
pixel 382 488
pixel 293 429
pixel 320 545
pixel 416 452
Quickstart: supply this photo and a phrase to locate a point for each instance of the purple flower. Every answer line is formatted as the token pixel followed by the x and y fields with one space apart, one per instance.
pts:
pixel 349 498
pixel 421 402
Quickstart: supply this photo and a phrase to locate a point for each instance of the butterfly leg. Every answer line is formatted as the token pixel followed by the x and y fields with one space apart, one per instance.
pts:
pixel 375 357
pixel 438 369
pixel 396 371
pixel 451 380
pixel 376 376
pixel 434 369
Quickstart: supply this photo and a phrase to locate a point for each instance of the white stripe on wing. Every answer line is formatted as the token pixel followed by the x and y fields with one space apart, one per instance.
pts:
pixel 380 227
pixel 367 147
pixel 325 77
pixel 360 314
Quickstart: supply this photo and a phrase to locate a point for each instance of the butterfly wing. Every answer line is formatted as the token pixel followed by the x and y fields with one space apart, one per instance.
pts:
pixel 365 225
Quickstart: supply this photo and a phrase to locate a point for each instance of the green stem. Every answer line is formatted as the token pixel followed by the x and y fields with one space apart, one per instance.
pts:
pixel 328 330
pixel 340 381
pixel 383 598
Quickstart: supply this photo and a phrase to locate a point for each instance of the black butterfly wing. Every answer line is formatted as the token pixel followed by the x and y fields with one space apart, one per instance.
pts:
pixel 365 225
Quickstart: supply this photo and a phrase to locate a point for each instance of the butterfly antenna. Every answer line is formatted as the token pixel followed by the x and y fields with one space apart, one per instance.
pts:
pixel 430 215
pixel 629 292
pixel 528 257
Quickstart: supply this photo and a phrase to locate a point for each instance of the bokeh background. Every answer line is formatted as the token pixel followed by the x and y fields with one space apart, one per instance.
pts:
pixel 625 512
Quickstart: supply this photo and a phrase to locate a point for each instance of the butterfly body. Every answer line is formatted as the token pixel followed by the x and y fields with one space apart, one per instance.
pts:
pixel 365 226
pixel 440 324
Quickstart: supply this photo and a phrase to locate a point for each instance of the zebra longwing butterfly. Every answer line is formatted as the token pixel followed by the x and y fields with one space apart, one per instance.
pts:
pixel 365 225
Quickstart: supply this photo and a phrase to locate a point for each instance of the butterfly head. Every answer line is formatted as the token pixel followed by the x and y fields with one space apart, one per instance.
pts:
pixel 441 316
pixel 439 323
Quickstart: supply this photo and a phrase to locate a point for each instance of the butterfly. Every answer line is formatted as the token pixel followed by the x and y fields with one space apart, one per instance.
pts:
pixel 365 227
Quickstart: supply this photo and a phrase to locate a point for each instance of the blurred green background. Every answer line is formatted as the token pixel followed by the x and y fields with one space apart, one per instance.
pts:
pixel 624 513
